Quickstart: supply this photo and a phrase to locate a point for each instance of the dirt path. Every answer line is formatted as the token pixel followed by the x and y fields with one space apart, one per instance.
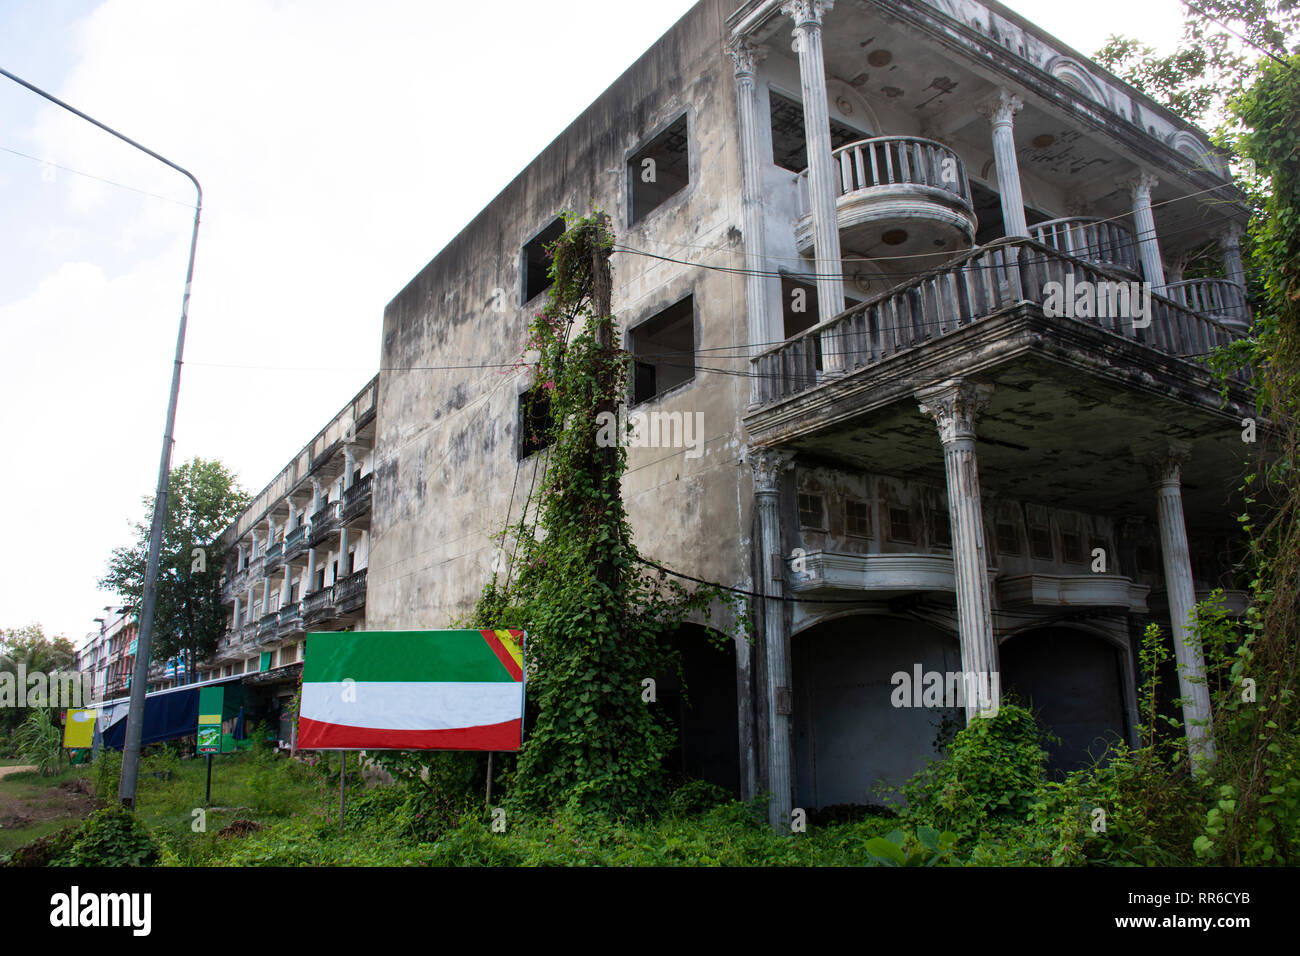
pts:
pixel 5 771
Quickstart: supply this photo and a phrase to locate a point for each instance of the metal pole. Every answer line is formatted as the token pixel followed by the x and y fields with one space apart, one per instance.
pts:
pixel 207 799
pixel 144 639
pixel 489 779
pixel 343 795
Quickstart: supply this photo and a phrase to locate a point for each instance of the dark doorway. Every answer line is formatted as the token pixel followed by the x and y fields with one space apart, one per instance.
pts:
pixel 706 714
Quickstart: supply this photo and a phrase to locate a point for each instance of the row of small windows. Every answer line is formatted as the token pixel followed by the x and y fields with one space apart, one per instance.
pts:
pixel 900 528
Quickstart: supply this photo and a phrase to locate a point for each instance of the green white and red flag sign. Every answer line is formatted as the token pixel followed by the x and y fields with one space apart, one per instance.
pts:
pixel 412 690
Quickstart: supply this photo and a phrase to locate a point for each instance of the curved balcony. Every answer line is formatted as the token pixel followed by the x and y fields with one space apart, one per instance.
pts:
pixel 1220 299
pixel 266 627
pixel 295 542
pixel 290 620
pixel 903 194
pixel 319 607
pixel 1105 243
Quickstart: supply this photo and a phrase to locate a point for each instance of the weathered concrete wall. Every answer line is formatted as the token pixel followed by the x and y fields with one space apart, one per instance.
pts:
pixel 447 474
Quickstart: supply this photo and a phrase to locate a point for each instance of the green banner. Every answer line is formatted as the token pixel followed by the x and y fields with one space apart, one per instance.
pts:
pixel 211 701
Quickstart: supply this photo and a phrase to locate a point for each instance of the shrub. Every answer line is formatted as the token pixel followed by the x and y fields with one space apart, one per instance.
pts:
pixel 39 741
pixel 111 837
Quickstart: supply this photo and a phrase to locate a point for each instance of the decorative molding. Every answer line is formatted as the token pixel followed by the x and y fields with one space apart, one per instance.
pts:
pixel 807 13
pixel 1164 465
pixel 745 56
pixel 1001 108
pixel 768 467
pixel 1140 185
pixel 954 405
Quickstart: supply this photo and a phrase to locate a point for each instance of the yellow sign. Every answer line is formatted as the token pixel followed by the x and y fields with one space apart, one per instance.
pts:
pixel 80 729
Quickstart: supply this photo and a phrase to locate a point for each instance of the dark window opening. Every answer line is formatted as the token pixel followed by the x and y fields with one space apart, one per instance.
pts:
pixel 857 518
pixel 536 424
pixel 663 349
pixel 1040 542
pixel 1146 559
pixel 537 261
pixel 942 530
pixel 352 562
pixel 293 594
pixel 1007 538
pixel 798 306
pixel 812 512
pixel 988 213
pixel 659 170
pixel 900 525
pixel 1072 547
pixel 789 147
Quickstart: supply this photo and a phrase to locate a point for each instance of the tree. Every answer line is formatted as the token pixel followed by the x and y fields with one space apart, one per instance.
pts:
pixel 28 650
pixel 203 499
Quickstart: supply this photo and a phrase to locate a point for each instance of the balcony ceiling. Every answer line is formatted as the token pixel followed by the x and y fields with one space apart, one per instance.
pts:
pixel 912 79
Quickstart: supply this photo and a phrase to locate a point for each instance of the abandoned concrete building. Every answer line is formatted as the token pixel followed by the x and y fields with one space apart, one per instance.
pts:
pixel 839 226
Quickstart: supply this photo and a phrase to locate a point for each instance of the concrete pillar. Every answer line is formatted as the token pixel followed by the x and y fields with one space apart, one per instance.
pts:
pixel 315 495
pixel 1144 222
pixel 1000 112
pixel 287 587
pixel 349 465
pixel 343 553
pixel 1174 268
pixel 954 405
pixel 768 467
pixel 252 615
pixel 310 586
pixel 1230 248
pixel 1165 470
pixel 822 175
pixel 763 331
pixel 266 596
pixel 234 621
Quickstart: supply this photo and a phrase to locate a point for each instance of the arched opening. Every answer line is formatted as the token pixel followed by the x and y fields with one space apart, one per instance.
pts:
pixel 706 716
pixel 1074 683
pixel 854 742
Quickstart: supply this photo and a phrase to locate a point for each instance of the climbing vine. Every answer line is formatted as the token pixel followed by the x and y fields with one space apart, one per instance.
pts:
pixel 596 617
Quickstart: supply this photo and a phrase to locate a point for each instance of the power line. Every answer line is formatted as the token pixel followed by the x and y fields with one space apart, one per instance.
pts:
pixel 1193 7
pixel 110 182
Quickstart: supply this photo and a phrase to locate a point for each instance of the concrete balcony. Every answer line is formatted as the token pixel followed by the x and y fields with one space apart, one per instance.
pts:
pixel 319 608
pixel 1221 299
pixel 274 558
pixel 267 628
pixel 356 502
pixel 977 285
pixel 295 542
pixel 350 593
pixel 1101 242
pixel 883 576
pixel 325 523
pixel 290 620
pixel 897 195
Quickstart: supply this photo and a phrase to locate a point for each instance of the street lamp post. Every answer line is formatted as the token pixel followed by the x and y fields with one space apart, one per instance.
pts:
pixel 135 715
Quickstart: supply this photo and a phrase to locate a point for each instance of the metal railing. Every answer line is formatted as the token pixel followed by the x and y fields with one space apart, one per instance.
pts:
pixel 899 161
pixel 1220 299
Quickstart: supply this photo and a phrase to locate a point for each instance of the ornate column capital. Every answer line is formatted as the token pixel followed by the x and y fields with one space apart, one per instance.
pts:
pixel 768 466
pixel 806 13
pixel 1164 463
pixel 1140 185
pixel 954 405
pixel 745 56
pixel 1002 107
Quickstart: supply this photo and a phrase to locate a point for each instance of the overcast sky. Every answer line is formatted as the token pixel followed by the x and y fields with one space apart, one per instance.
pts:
pixel 340 146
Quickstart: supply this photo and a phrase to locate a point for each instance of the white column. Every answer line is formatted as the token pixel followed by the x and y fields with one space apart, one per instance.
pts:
pixel 310 585
pixel 234 623
pixel 1144 222
pixel 1230 248
pixel 763 330
pixel 349 465
pixel 1174 268
pixel 768 467
pixel 343 553
pixel 252 618
pixel 315 495
pixel 807 16
pixel 1000 112
pixel 266 596
pixel 954 405
pixel 1165 470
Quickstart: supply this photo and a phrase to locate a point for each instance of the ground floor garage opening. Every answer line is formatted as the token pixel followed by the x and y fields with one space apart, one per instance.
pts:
pixel 705 711
pixel 853 745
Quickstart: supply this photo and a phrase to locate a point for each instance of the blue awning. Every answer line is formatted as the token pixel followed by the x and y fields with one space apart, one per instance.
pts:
pixel 168 714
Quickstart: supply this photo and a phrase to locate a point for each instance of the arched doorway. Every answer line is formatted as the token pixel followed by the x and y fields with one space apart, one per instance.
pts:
pixel 706 715
pixel 853 745
pixel 1074 682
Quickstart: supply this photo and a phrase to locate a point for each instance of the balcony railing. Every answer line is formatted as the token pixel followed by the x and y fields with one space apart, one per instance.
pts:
pixel 975 285
pixel 290 619
pixel 295 542
pixel 266 627
pixel 356 500
pixel 350 593
pixel 1220 299
pixel 898 178
pixel 1102 242
pixel 325 522
pixel 319 607
pixel 274 557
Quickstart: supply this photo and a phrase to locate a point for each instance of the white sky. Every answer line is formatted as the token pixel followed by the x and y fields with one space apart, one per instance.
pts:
pixel 340 146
